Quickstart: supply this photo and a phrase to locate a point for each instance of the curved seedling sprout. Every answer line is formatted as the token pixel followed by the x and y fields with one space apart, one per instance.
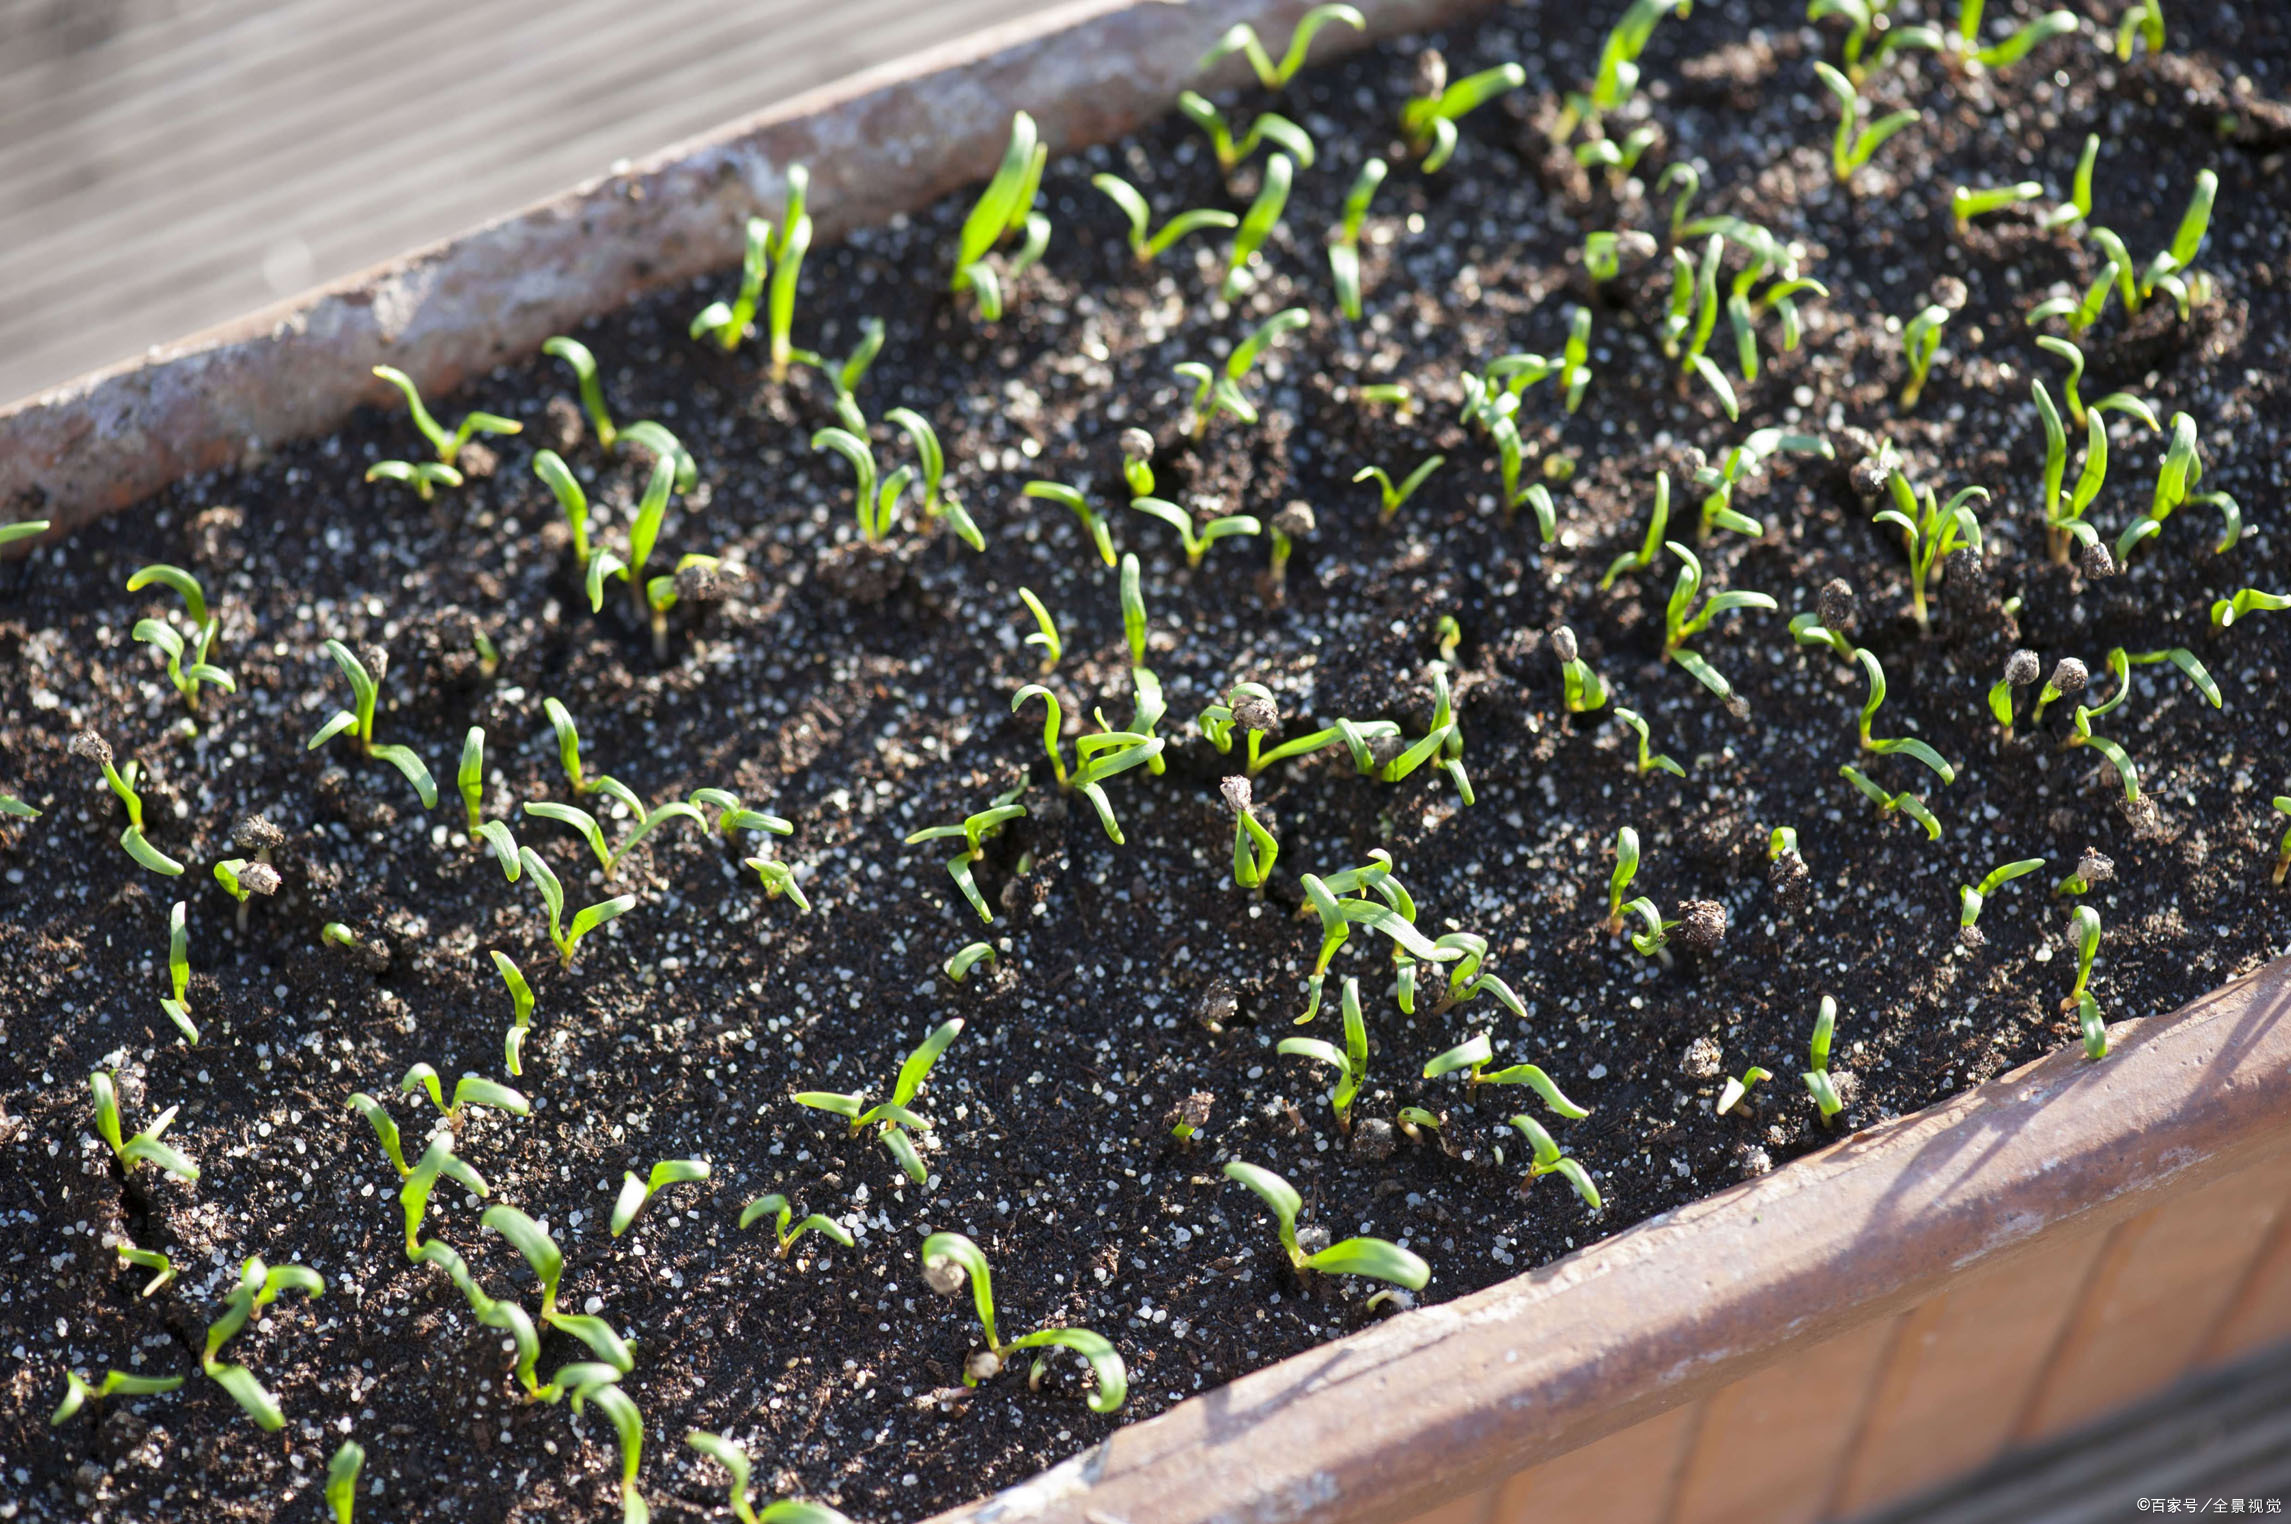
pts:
pixel 1372 1257
pixel 950 1260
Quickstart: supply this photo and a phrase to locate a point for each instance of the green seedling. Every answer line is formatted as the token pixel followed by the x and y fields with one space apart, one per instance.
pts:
pixel 1372 1257
pixel 2180 657
pixel 1046 631
pixel 1146 244
pixel 609 857
pixel 1005 208
pixel 1395 496
pixel 2144 22
pixel 2123 402
pixel 950 1260
pixel 177 1005
pixel 1902 746
pixel 1930 530
pixel 1344 238
pixel 1471 1059
pixel 1920 338
pixel 447 445
pixel 1903 803
pixel 2092 869
pixel 567 938
pixel 548 1265
pixel 1197 542
pixel 732 817
pixel 2064 521
pixel 2084 932
pixel 966 958
pixel 776 1207
pixel 23 529
pixel 1617 78
pixel 1535 495
pixel 1856 142
pixel 335 934
pixel 568 747
pixel 1644 556
pixel 469 1090
pixel 586 377
pixel 2020 44
pixel 470 779
pixel 634 1193
pixel 1694 301
pixel 1242 38
pixel 1467 978
pixel 148 1259
pixel 1620 159
pixel 2083 312
pixel 1649 760
pixel 778 878
pixel 1580 688
pixel 1442 741
pixel 342 1479
pixel 975 831
pixel 2281 804
pixel 145 1146
pixel 2081 734
pixel 1232 152
pixel 1545 1158
pixel 1817 1075
pixel 2181 470
pixel 1350 1061
pixel 159 633
pixel 1745 459
pixel 2226 611
pixel 876 499
pixel 1619 877
pixel 1249 708
pixel 91 747
pixel 11 805
pixel 1254 848
pixel 843 376
pixel 1092 524
pixel 78 1392
pixel 424 476
pixel 1340 902
pixel 1097 757
pixel 891 1118
pixel 588 1381
pixel 735 1460
pixel 1682 620
pixel 2078 206
pixel 728 323
pixel 1737 1090
pixel 1861 16
pixel 1966 203
pixel 521 1001
pixel 1970 900
pixel 930 477
pixel 1214 393
pixel 1258 223
pixel 259 1285
pixel 1428 121
pixel 697 579
pixel 358 721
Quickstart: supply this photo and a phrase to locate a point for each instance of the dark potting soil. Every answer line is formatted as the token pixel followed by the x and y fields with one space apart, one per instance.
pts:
pixel 688 1023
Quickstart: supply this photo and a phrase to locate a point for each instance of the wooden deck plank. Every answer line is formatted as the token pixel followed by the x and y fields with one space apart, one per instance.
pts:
pixel 154 157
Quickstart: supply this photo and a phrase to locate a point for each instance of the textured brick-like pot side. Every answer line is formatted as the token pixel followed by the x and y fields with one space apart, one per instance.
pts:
pixel 1861 1324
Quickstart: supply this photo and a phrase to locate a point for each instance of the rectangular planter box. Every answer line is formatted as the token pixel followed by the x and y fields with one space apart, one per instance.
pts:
pixel 1858 1326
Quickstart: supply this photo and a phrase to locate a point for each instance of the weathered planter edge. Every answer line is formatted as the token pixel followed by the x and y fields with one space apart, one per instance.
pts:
pixel 876 144
pixel 1445 1400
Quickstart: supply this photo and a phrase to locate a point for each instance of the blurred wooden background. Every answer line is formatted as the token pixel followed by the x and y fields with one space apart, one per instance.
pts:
pixel 167 164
